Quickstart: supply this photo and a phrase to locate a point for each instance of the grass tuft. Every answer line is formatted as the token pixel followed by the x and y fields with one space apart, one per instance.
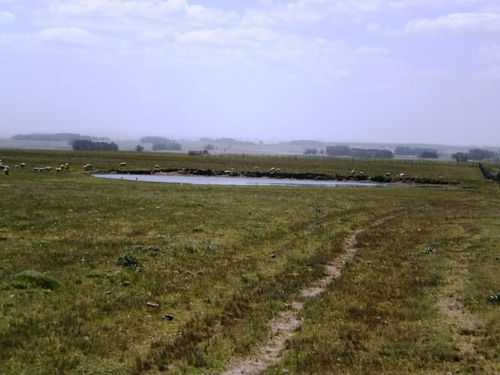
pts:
pixel 34 279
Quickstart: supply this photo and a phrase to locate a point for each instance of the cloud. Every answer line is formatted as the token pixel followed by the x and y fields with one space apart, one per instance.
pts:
pixel 146 10
pixel 71 35
pixel 6 17
pixel 455 23
pixel 489 54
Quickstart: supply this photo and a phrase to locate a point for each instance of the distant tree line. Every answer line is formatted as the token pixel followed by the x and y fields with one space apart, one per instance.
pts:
pixel 476 154
pixel 161 143
pixel 313 151
pixel 56 137
pixel 167 145
pixel 359 152
pixel 86 145
pixel 306 142
pixel 412 151
pixel 227 141
pixel 429 154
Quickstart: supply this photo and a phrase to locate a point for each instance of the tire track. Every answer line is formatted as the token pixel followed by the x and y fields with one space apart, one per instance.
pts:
pixel 284 325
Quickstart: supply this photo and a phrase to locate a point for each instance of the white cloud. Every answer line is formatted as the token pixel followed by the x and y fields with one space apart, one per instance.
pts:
pixel 6 17
pixel 488 54
pixel 152 10
pixel 72 35
pixel 456 23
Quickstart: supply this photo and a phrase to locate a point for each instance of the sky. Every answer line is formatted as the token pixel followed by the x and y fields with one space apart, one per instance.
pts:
pixel 408 71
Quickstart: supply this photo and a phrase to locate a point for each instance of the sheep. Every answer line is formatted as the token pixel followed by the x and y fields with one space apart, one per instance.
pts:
pixel 6 171
pixel 352 172
pixel 59 169
pixel 401 175
pixel 123 164
pixel 87 167
pixel 157 166
pixel 278 170
pixel 23 165
pixel 388 174
pixel 16 166
pixel 361 173
pixel 66 166
pixel 256 169
pixel 272 169
pixel 48 169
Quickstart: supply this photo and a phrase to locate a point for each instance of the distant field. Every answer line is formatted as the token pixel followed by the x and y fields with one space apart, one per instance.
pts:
pixel 464 172
pixel 224 261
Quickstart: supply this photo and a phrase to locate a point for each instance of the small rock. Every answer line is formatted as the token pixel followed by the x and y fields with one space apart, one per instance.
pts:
pixel 168 317
pixel 152 304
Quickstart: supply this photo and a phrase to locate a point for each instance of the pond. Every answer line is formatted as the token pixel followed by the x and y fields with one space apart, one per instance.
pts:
pixel 236 181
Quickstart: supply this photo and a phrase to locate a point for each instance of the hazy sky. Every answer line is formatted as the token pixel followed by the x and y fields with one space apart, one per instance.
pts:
pixel 335 70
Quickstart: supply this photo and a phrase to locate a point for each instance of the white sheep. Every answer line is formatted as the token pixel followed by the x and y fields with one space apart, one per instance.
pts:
pixel 388 174
pixel 58 169
pixel 352 172
pixel 48 169
pixel 123 164
pixel 23 165
pixel 272 169
pixel 401 175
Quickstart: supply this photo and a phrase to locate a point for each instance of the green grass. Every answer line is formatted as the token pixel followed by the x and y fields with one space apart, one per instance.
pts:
pixel 224 260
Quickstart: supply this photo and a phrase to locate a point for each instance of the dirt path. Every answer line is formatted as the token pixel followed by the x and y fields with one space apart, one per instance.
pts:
pixel 284 326
pixel 451 306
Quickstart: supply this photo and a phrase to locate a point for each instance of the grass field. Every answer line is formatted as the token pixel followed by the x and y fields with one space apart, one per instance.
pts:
pixel 89 269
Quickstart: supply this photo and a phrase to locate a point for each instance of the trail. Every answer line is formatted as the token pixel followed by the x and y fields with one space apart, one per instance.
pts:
pixel 284 326
pixel 451 306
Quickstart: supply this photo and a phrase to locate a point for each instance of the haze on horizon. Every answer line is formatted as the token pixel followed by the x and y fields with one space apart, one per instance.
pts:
pixel 414 71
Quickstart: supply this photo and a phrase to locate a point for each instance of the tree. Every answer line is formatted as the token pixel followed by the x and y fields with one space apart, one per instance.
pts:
pixel 460 157
pixel 139 148
pixel 429 155
pixel 86 145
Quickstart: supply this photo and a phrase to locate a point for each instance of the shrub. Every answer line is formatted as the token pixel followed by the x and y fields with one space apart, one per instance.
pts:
pixel 129 260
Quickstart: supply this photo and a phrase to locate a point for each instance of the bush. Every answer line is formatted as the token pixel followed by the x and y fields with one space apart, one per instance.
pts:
pixel 85 145
pixel 129 260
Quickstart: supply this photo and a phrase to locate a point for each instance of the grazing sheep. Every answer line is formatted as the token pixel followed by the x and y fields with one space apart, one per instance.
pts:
pixel 15 166
pixel 48 169
pixel 157 166
pixel 278 170
pixel 87 167
pixel 388 174
pixel 361 173
pixel 401 175
pixel 23 165
pixel 272 169
pixel 58 169
pixel 352 172
pixel 256 169
pixel 6 171
pixel 123 164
